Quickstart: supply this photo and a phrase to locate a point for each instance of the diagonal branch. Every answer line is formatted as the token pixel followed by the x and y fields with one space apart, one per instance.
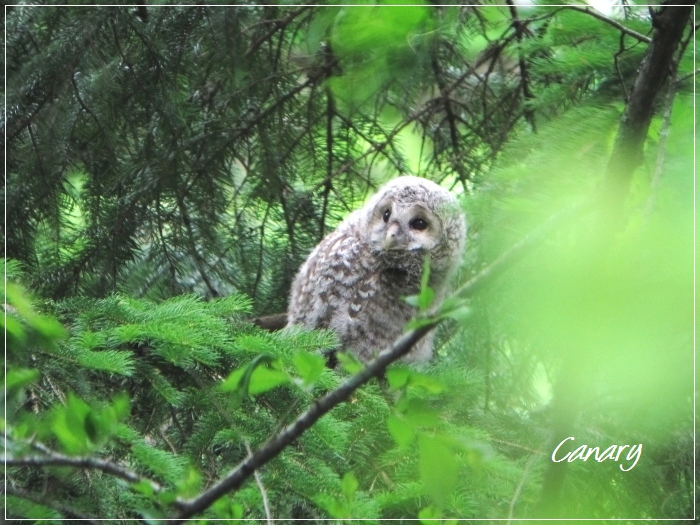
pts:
pixel 600 16
pixel 235 479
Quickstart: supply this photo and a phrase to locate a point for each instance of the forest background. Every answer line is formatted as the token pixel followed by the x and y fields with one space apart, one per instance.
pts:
pixel 168 168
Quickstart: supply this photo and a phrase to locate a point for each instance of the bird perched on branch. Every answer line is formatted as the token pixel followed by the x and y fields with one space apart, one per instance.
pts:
pixel 355 280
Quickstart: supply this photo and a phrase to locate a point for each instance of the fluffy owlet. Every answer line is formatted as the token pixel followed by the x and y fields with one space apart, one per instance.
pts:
pixel 356 278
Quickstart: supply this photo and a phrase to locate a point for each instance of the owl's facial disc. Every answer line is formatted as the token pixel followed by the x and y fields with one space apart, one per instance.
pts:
pixel 395 227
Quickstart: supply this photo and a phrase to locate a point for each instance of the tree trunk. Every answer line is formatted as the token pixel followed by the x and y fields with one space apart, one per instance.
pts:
pixel 668 22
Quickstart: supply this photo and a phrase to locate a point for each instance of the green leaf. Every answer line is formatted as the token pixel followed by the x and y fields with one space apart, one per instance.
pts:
pixel 349 486
pixel 263 379
pixel 425 276
pixel 239 379
pixel 418 322
pixel 225 508
pixel 336 508
pixel 455 308
pixel 310 366
pixel 69 425
pixel 19 378
pixel 254 379
pixel 438 468
pixel 411 300
pixel 425 298
pixel 400 430
pixel 418 413
pixel 401 376
pixel 349 362
pixel 49 327
pixel 14 330
pixel 81 428
pixel 430 384
pixel 429 513
pixel 398 376
pixel 143 487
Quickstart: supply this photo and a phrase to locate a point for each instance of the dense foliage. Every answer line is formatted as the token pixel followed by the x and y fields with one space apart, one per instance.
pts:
pixel 169 168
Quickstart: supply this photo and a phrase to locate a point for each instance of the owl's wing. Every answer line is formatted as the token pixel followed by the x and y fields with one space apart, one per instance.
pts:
pixel 326 285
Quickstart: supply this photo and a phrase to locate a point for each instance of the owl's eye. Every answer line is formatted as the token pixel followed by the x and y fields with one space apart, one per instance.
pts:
pixel 387 214
pixel 418 224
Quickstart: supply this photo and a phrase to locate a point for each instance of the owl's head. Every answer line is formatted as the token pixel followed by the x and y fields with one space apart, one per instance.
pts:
pixel 411 214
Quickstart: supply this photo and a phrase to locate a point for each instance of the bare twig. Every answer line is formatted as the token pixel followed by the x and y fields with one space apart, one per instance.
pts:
pixel 519 488
pixel 51 458
pixel 272 448
pixel 263 492
pixel 666 125
pixel 519 28
pixel 686 77
pixel 330 112
pixel 276 26
pixel 600 16
pixel 616 57
pixel 451 120
pixel 271 323
pixel 14 491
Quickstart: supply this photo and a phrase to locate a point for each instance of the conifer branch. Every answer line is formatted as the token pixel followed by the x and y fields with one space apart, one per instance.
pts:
pixel 276 26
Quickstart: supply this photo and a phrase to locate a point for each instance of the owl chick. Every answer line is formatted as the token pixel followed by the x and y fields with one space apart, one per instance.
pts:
pixel 355 280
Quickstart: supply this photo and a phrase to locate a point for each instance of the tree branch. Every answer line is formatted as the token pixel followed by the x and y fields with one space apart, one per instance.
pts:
pixel 51 458
pixel 600 16
pixel 14 491
pixel 519 28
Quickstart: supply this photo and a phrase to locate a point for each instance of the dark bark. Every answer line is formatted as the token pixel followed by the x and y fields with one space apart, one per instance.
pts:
pixel 669 23
pixel 271 323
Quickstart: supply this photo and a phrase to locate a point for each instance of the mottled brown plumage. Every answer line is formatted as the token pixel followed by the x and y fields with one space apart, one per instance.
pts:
pixel 355 280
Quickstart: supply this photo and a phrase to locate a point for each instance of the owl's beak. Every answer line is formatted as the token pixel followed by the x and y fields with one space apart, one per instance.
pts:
pixel 393 234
